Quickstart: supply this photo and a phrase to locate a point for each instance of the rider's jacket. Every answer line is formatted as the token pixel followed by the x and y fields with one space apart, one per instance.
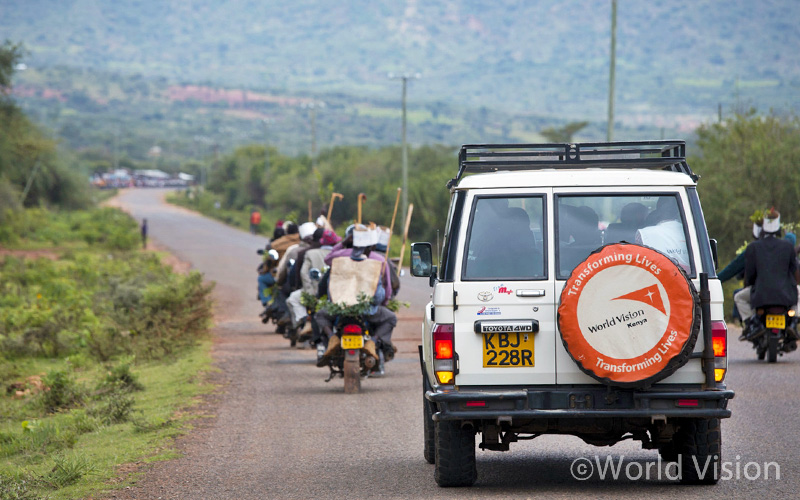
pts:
pixel 770 268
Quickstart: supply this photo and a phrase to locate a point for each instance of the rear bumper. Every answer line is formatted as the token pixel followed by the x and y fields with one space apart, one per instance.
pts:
pixel 579 402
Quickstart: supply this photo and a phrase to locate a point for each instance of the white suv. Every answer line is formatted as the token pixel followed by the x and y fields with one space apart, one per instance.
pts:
pixel 575 294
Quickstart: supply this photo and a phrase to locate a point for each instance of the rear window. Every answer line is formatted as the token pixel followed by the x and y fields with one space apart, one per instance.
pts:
pixel 584 223
pixel 505 239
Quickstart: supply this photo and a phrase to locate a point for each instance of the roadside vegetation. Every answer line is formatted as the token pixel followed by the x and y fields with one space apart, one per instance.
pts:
pixel 101 346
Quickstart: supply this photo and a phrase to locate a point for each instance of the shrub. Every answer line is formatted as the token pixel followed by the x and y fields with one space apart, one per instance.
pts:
pixel 60 392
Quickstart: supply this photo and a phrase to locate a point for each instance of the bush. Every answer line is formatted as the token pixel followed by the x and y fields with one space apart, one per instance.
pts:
pixel 60 392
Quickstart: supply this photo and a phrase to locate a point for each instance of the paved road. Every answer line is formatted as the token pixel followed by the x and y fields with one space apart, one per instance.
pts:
pixel 279 431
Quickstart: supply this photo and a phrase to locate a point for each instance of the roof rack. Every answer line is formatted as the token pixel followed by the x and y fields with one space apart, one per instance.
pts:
pixel 663 155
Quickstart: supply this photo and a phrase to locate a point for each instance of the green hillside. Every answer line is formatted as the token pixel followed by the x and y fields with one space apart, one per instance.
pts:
pixel 499 70
pixel 546 57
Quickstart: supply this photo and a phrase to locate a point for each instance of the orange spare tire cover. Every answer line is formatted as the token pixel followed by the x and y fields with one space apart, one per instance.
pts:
pixel 628 315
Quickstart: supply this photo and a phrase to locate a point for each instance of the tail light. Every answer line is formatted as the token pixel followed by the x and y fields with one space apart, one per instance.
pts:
pixel 719 341
pixel 351 329
pixel 444 365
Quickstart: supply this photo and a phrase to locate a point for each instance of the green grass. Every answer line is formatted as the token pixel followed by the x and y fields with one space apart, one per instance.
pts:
pixel 73 454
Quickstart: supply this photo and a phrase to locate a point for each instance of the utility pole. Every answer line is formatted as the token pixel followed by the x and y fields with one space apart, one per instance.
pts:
pixel 266 122
pixel 611 76
pixel 404 78
pixel 312 112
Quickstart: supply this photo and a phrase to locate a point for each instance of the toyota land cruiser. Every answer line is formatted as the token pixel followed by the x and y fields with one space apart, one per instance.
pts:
pixel 575 294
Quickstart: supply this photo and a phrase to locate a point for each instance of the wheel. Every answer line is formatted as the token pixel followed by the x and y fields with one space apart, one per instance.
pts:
pixel 772 348
pixel 761 348
pixel 352 371
pixel 455 454
pixel 428 431
pixel 699 445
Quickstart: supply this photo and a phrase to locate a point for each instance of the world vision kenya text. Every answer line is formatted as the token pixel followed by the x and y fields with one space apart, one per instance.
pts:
pixel 594 266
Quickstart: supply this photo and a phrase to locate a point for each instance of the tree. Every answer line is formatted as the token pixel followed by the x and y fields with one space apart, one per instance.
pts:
pixel 29 164
pixel 10 54
pixel 747 162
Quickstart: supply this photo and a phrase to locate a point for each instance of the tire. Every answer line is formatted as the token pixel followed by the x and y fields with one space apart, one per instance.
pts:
pixel 428 431
pixel 455 455
pixel 772 348
pixel 699 444
pixel 352 373
pixel 611 293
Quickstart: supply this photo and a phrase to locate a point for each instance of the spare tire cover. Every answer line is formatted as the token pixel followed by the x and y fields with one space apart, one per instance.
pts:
pixel 628 315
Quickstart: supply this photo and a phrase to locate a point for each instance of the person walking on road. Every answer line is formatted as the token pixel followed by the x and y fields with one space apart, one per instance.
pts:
pixel 144 234
pixel 255 220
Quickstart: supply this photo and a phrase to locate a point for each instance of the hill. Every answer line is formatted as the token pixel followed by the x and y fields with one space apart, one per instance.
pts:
pixel 677 61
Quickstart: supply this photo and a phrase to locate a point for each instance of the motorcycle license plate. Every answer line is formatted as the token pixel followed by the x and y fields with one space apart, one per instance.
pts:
pixel 776 321
pixel 508 349
pixel 352 341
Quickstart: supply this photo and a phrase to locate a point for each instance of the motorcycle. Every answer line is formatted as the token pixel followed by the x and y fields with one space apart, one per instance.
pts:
pixel 359 355
pixel 776 328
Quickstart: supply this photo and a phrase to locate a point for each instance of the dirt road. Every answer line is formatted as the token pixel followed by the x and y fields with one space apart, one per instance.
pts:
pixel 279 431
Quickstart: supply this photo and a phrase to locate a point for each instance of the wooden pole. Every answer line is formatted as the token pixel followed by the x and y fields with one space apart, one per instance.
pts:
pixel 405 237
pixel 391 226
pixel 334 196
pixel 361 198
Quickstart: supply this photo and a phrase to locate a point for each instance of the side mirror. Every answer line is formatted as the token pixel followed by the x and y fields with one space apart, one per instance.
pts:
pixel 315 274
pixel 713 243
pixel 260 251
pixel 421 260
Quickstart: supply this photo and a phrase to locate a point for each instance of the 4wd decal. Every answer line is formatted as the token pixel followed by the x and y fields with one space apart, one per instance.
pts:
pixel 628 314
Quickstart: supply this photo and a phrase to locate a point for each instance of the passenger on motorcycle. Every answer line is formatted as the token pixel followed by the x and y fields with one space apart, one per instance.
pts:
pixel 378 316
pixel 311 258
pixel 735 269
pixel 381 247
pixel 305 235
pixel 771 269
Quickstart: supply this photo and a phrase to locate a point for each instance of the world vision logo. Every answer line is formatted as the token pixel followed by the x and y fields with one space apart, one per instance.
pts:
pixel 625 312
pixel 650 295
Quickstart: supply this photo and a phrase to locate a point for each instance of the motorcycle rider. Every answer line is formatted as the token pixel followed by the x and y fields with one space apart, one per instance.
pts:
pixel 305 234
pixel 313 257
pixel 771 269
pixel 378 315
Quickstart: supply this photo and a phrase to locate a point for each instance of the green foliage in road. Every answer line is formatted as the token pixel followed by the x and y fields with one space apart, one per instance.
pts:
pixel 100 346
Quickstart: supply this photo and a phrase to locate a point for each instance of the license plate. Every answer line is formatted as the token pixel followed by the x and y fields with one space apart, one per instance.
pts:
pixel 352 341
pixel 507 350
pixel 776 321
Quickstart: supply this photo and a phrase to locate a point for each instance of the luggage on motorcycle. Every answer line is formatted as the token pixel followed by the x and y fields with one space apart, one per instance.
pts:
pixel 350 278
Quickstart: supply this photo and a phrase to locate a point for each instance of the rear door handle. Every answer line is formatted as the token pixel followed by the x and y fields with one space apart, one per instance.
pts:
pixel 530 293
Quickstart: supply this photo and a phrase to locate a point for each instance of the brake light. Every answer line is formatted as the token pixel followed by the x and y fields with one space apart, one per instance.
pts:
pixel 352 329
pixel 719 341
pixel 444 348
pixel 444 353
